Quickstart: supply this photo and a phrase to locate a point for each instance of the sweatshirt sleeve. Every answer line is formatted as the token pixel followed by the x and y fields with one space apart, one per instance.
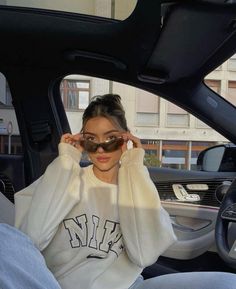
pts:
pixel 145 225
pixel 40 207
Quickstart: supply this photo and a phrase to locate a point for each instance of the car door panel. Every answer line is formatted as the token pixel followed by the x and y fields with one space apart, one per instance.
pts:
pixel 191 201
pixel 194 228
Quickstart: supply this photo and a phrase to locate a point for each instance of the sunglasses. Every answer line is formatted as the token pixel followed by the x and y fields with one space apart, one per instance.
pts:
pixel 108 146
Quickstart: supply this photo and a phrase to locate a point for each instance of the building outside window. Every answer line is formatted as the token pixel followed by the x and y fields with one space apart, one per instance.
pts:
pixel 16 146
pixel 5 94
pixel 231 96
pixel 173 154
pixel 176 116
pixel 75 94
pixel 147 108
pixel 232 63
pixel 8 95
pixel 214 85
pixel 152 152
pixel 8 143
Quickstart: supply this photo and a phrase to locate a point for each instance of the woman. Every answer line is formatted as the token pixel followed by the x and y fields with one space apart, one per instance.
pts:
pixel 98 226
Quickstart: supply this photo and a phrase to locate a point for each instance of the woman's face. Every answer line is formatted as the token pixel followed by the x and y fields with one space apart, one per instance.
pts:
pixel 99 130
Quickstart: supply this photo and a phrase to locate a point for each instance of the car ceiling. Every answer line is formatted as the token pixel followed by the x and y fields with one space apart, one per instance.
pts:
pixel 168 52
pixel 59 40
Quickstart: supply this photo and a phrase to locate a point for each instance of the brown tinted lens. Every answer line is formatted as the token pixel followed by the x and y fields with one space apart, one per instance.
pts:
pixel 89 146
pixel 112 145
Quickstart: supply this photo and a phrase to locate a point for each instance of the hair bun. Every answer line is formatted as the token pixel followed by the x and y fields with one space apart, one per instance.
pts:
pixel 107 105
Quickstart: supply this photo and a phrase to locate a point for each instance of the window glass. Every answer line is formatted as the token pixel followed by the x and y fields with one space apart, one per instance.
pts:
pixel 146 102
pixel 83 99
pixel 174 109
pixel 10 141
pixel 152 152
pixel 147 108
pixel 232 91
pixel 196 148
pixel 176 116
pixel 201 124
pixel 174 146
pixel 118 9
pixel 147 119
pixel 75 93
pixel 214 85
pixel 5 94
pixel 223 80
pixel 174 154
pixel 177 120
pixel 232 63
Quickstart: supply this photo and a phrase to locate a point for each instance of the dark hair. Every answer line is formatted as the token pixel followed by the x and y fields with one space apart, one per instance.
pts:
pixel 109 106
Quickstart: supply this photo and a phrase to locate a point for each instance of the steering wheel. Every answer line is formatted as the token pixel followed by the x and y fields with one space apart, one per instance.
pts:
pixel 226 215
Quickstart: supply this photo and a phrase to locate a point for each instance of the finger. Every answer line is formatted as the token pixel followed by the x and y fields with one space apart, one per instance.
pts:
pixel 125 137
pixel 77 136
pixel 65 137
pixel 74 138
pixel 124 146
pixel 136 141
pixel 76 141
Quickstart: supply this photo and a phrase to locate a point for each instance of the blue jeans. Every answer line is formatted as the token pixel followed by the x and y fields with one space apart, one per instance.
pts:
pixel 23 267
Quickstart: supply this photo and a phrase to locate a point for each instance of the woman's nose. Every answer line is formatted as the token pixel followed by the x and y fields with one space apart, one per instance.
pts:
pixel 100 149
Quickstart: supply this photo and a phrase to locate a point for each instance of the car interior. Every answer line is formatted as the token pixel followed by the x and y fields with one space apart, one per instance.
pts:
pixel 163 47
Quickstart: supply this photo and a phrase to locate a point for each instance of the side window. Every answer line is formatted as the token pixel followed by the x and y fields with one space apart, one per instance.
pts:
pixel 10 141
pixel 176 116
pixel 171 136
pixel 75 93
pixel 223 80
pixel 147 112
pixel 12 176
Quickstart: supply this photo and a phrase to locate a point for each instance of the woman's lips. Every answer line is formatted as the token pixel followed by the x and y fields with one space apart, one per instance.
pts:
pixel 103 159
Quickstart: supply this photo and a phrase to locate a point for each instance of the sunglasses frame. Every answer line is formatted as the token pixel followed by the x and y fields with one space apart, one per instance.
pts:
pixel 107 146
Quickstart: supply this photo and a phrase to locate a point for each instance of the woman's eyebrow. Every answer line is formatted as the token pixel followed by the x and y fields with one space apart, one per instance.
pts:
pixel 105 133
pixel 111 131
pixel 87 132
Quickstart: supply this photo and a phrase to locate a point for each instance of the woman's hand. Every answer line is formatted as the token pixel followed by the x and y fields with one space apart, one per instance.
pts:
pixel 72 139
pixel 129 137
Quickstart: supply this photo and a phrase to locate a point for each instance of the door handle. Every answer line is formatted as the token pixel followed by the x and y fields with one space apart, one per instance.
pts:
pixel 182 195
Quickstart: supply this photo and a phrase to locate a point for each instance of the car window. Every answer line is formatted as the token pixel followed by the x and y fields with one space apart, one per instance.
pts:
pixel 10 141
pixel 223 80
pixel 171 136
pixel 119 9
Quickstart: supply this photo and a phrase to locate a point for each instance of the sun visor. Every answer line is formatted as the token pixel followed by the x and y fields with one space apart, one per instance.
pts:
pixel 191 35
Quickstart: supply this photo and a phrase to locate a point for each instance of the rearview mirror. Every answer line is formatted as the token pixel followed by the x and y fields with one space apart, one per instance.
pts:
pixel 221 158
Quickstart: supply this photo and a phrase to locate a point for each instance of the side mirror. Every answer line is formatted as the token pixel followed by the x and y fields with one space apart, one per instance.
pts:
pixel 220 158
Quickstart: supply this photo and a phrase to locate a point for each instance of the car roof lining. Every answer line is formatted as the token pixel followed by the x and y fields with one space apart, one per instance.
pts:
pixel 189 28
pixel 100 38
pixel 132 51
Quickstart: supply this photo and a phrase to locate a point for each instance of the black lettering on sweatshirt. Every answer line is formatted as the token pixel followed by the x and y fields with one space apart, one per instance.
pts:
pixel 78 231
pixel 111 239
pixel 93 241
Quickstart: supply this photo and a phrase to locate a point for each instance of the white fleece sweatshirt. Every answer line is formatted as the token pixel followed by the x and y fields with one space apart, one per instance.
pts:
pixel 94 235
